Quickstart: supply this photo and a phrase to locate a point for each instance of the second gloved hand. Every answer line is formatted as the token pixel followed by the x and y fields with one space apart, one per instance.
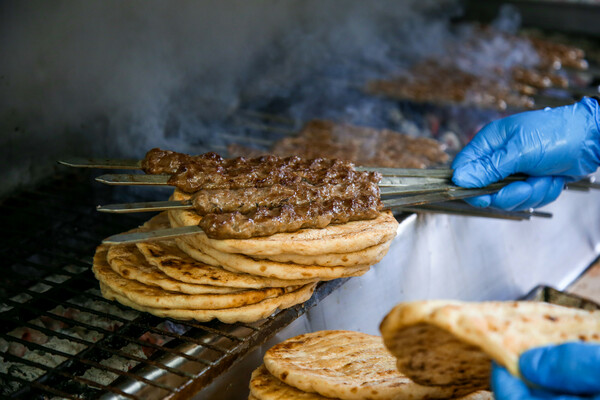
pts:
pixel 551 145
pixel 567 371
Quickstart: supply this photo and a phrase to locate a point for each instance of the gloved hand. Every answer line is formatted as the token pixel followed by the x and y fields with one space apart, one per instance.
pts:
pixel 567 371
pixel 553 145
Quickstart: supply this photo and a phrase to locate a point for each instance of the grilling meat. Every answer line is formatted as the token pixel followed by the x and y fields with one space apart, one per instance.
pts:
pixel 192 177
pixel 159 161
pixel 287 218
pixel 249 199
pixel 430 81
pixel 538 78
pixel 363 145
pixel 557 55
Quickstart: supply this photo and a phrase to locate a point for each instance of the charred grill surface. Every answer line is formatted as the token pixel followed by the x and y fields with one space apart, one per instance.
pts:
pixel 287 218
pixel 249 199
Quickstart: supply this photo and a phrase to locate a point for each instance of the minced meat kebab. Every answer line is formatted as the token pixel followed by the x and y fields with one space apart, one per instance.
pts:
pixel 249 197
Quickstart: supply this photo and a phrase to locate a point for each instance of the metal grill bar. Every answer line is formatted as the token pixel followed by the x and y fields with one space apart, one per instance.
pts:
pixel 50 332
pixel 57 371
pixel 104 331
pixel 37 385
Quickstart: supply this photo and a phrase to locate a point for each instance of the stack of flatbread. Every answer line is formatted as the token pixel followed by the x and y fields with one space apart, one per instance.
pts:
pixel 196 277
pixel 338 365
pixel 447 344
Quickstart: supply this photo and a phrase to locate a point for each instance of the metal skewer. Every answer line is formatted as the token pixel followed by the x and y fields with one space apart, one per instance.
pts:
pixel 400 203
pixel 103 163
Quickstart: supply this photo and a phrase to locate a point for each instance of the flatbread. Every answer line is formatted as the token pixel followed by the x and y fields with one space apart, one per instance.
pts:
pixel 248 314
pixel 172 261
pixel 272 269
pixel 345 365
pixel 343 238
pixel 478 395
pixel 264 386
pixel 127 261
pixel 152 296
pixel 369 256
pixel 451 343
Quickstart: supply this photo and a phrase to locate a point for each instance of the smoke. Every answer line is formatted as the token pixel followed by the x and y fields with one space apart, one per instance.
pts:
pixel 115 78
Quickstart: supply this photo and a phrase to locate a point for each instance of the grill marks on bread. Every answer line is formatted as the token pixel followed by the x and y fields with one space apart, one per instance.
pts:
pixel 468 335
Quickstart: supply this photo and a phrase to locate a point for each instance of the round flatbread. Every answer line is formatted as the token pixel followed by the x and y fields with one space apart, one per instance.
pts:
pixel 247 314
pixel 153 296
pixel 369 256
pixel 468 335
pixel 478 395
pixel 264 386
pixel 343 238
pixel 127 261
pixel 172 261
pixel 272 269
pixel 345 365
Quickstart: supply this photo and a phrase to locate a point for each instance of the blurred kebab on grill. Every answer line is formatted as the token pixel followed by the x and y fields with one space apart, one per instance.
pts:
pixel 362 145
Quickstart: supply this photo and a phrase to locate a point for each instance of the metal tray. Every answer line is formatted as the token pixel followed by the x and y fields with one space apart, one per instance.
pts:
pixel 554 296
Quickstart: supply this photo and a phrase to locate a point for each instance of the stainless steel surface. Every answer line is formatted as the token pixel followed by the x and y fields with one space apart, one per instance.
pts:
pixel 450 257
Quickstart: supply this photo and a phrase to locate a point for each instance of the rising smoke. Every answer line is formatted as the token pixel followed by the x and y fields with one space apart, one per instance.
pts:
pixel 115 78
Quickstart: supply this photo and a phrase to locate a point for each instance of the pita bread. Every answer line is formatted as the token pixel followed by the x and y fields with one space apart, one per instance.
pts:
pixel 345 365
pixel 264 386
pixel 342 238
pixel 152 296
pixel 127 261
pixel 273 269
pixel 451 343
pixel 369 256
pixel 248 314
pixel 478 395
pixel 172 261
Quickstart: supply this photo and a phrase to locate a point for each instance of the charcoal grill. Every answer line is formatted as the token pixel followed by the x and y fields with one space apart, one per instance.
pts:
pixel 50 233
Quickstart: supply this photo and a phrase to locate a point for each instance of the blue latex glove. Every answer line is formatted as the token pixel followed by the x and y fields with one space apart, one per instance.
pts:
pixel 567 371
pixel 553 145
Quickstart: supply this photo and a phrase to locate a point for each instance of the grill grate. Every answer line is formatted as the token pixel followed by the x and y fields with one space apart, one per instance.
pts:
pixel 59 338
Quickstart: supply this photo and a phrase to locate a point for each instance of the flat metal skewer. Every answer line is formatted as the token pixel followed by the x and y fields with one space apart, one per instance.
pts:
pixel 402 204
pixel 104 163
pixel 153 206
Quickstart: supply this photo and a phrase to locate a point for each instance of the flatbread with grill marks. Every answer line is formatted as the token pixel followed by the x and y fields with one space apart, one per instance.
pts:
pixel 264 386
pixel 127 261
pixel 168 258
pixel 152 296
pixel 249 313
pixel 345 365
pixel 343 238
pixel 272 269
pixel 451 343
pixel 369 256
